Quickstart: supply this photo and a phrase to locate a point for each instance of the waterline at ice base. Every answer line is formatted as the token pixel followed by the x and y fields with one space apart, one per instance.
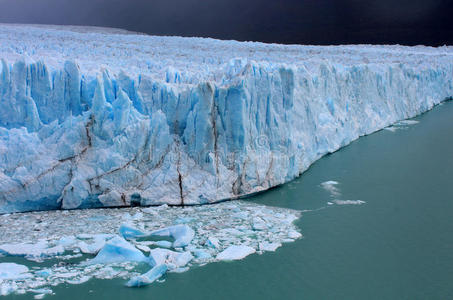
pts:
pixel 111 118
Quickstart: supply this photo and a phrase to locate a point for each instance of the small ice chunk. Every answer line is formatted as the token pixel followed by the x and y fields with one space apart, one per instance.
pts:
pixel 13 271
pixel 184 220
pixel 118 250
pixel 90 248
pixel 43 291
pixel 349 202
pixel 98 243
pixel 67 241
pixel 138 216
pixel 163 244
pixel 266 246
pixel 149 277
pixel 212 242
pixel 258 224
pixel 80 280
pixel 7 288
pixel 180 270
pixel 232 231
pixel 143 248
pixel 201 254
pixel 294 234
pixel 66 275
pixel 182 234
pixel 171 258
pixel 391 128
pixel 44 272
pixel 287 240
pixel 150 210
pixel 129 232
pixel 330 186
pixel 235 252
pixel 241 215
pixel 329 182
pixel 407 122
pixel 40 249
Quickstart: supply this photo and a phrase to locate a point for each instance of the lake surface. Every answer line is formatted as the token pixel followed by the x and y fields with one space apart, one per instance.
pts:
pixel 397 245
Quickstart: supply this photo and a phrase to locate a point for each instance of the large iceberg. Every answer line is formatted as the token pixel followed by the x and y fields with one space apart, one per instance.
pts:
pixel 92 118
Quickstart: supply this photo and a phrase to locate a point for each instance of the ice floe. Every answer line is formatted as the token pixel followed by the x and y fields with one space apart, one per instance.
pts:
pixel 266 246
pixel 118 250
pixel 13 271
pixel 349 202
pixel 332 187
pixel 139 245
pixel 149 277
pixel 235 252
pixel 182 234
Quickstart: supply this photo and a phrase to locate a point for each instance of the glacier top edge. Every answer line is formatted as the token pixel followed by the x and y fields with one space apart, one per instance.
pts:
pixel 194 60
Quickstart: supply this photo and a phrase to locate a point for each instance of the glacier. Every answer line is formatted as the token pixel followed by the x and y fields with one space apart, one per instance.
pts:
pixel 105 118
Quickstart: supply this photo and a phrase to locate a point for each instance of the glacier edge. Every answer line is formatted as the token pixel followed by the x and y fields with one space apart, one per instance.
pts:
pixel 70 138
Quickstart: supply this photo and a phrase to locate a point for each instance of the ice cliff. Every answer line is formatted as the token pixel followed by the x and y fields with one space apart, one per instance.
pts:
pixel 92 118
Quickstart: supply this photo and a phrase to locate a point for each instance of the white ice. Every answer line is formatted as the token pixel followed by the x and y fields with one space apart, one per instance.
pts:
pixel 97 117
pixel 349 202
pixel 10 271
pixel 182 234
pixel 118 250
pixel 235 252
pixel 94 246
pixel 332 187
pixel 149 277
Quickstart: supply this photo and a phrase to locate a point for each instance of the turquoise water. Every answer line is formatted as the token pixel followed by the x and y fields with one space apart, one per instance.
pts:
pixel 398 245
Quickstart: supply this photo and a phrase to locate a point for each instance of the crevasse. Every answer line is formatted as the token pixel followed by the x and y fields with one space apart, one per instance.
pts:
pixel 187 122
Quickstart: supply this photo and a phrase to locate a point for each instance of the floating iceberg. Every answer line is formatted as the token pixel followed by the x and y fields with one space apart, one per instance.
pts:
pixel 171 258
pixel 37 250
pixel 349 202
pixel 128 232
pixel 174 120
pixel 118 250
pixel 235 252
pixel 13 271
pixel 149 277
pixel 213 242
pixel 266 246
pixel 331 186
pixel 216 235
pixel 182 234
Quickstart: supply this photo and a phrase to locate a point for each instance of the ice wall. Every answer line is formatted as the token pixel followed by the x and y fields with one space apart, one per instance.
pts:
pixel 72 137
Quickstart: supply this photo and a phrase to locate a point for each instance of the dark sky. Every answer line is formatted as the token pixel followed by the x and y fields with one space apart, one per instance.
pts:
pixel 408 22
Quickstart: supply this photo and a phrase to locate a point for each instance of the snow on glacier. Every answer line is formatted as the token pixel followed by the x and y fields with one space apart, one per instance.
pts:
pixel 216 233
pixel 92 118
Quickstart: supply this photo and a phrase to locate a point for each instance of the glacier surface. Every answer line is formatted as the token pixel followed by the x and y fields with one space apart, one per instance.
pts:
pixel 93 118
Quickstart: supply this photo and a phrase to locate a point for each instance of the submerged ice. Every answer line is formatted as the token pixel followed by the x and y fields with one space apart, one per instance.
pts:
pixel 138 245
pixel 93 119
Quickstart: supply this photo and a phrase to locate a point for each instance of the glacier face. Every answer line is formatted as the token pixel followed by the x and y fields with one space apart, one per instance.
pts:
pixel 91 118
